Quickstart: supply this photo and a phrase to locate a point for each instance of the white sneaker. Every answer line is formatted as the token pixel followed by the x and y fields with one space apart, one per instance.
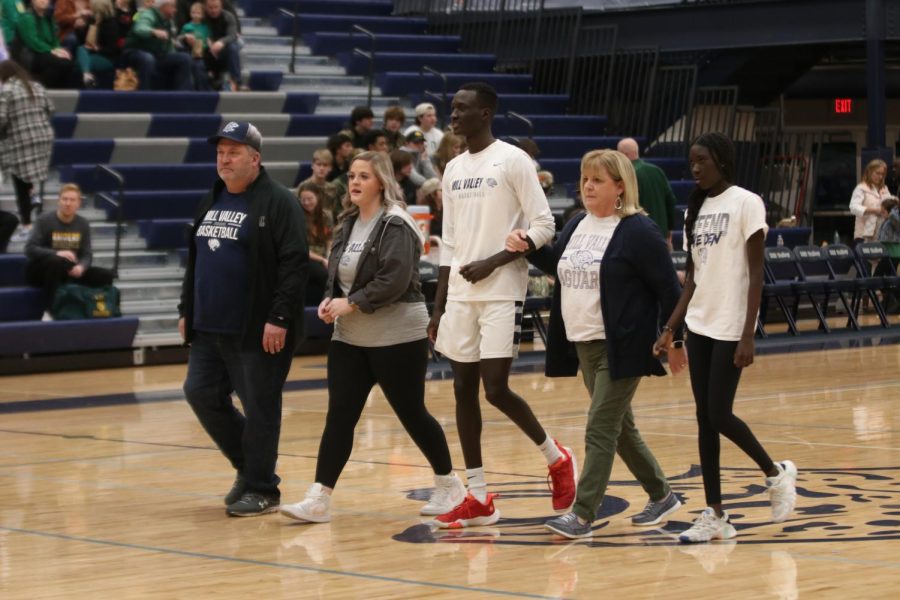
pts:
pixel 783 491
pixel 708 527
pixel 448 493
pixel 315 508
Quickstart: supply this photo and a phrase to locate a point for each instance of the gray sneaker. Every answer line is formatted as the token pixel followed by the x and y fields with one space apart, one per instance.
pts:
pixel 569 526
pixel 654 512
pixel 253 504
pixel 237 490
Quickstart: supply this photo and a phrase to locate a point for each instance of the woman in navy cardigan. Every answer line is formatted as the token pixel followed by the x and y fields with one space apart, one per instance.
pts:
pixel 614 284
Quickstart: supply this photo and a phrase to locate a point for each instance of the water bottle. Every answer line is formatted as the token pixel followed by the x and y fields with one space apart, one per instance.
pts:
pixel 780 241
pixel 837 237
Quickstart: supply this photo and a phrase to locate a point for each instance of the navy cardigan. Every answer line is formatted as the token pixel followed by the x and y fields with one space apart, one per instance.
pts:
pixel 639 290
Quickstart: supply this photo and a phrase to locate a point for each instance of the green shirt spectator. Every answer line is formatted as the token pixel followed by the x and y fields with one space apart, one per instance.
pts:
pixel 40 34
pixel 147 33
pixel 10 12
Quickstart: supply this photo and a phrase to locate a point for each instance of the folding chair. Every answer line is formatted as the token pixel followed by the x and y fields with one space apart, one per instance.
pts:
pixel 887 282
pixel 777 290
pixel 814 263
pixel 784 270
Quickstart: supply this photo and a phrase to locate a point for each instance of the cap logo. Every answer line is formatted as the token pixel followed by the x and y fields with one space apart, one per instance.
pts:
pixel 231 126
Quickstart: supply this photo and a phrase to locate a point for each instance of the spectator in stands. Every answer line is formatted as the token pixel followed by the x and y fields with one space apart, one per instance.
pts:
pixel 322 161
pixel 719 304
pixel 426 122
pixel 531 148
pixel 150 50
pixel 113 24
pixel 657 197
pixel 422 167
pixel 50 63
pixel 341 146
pixel 241 310
pixel 450 147
pixel 319 226
pixel 605 321
pixel 193 39
pixel 403 167
pixel 865 202
pixel 223 52
pixel 361 120
pixel 26 136
pixel 73 17
pixel 376 141
pixel 4 55
pixel 375 301
pixel 183 11
pixel 430 195
pixel 8 224
pixel 10 11
pixel 59 247
pixel 394 117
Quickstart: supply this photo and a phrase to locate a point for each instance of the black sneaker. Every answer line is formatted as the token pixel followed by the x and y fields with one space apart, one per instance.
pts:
pixel 253 504
pixel 237 490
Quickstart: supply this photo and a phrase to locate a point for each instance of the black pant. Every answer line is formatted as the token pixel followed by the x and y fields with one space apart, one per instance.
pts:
pixel 24 190
pixel 57 73
pixel 50 272
pixel 8 224
pixel 714 380
pixel 316 278
pixel 400 371
pixel 218 366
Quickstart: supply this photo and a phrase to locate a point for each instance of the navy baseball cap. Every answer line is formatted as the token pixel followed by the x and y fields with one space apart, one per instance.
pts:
pixel 242 132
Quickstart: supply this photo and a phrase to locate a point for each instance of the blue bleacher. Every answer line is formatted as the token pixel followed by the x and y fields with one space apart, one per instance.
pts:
pixel 21 304
pixel 550 125
pixel 682 188
pixel 267 8
pixel 567 146
pixel 188 125
pixel 331 43
pixel 265 81
pixel 12 270
pixel 165 233
pixel 399 83
pixel 309 23
pixel 50 337
pixel 404 61
pixel 524 104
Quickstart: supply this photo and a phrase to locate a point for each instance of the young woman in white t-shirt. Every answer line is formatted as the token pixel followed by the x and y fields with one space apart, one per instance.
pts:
pixel 725 230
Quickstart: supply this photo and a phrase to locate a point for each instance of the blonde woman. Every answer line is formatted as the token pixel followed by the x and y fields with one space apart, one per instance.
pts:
pixel 450 147
pixel 374 298
pixel 615 283
pixel 865 202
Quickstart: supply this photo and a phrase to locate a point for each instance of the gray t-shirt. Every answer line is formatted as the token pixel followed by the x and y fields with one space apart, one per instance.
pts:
pixel 397 323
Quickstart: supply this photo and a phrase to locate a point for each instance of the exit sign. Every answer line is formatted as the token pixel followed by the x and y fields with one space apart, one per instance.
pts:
pixel 843 106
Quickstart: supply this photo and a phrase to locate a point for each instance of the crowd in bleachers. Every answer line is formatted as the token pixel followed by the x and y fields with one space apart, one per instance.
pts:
pixel 125 44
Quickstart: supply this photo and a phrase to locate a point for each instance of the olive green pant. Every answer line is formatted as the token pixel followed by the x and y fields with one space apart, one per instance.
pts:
pixel 610 429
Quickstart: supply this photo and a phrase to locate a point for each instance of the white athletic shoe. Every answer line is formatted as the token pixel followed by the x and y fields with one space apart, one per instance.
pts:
pixel 448 493
pixel 315 508
pixel 708 527
pixel 783 491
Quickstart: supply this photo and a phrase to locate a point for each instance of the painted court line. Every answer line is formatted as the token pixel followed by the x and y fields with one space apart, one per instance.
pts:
pixel 276 565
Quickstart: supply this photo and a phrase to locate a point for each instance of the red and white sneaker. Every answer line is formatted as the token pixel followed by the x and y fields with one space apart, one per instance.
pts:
pixel 470 513
pixel 563 480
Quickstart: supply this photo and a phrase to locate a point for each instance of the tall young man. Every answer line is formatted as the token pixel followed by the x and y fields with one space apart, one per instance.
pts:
pixel 488 191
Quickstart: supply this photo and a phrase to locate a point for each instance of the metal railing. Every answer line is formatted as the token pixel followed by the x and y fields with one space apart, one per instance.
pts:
pixel 370 55
pixel 295 32
pixel 118 204
pixel 426 70
pixel 516 116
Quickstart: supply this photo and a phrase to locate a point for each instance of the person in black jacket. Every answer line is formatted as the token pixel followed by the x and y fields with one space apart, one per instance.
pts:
pixel 241 310
pixel 614 284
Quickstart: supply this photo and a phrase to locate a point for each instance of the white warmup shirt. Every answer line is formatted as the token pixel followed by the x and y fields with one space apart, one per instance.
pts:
pixel 486 196
pixel 721 269
pixel 578 275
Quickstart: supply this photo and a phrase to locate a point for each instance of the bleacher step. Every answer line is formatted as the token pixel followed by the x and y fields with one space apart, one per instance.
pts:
pixel 159 306
pixel 167 273
pixel 149 290
pixel 259 30
pixel 132 258
pixel 159 323
pixel 165 338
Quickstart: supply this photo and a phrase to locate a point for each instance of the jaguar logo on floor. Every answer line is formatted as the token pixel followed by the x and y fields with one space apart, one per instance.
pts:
pixel 833 505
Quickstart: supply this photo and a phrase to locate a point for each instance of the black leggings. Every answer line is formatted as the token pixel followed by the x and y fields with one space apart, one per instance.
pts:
pixel 714 379
pixel 400 371
pixel 24 190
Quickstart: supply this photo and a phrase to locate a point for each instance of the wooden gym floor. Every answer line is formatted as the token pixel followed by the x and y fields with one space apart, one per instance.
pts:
pixel 112 490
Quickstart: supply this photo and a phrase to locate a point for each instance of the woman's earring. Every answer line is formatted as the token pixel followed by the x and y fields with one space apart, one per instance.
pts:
pixel 619 204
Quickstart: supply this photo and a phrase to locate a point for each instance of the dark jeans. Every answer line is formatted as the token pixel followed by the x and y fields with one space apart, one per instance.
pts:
pixel 316 278
pixel 169 72
pixel 8 224
pixel 400 371
pixel 218 366
pixel 229 60
pixel 57 73
pixel 714 380
pixel 50 272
